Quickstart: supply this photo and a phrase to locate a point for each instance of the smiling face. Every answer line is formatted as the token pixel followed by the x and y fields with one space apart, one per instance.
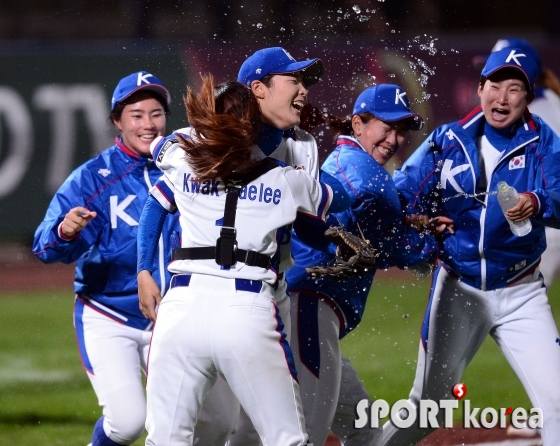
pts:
pixel 504 98
pixel 141 121
pixel 282 101
pixel 380 139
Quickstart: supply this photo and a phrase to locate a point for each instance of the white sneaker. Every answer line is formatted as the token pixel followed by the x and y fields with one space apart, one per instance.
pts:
pixel 524 431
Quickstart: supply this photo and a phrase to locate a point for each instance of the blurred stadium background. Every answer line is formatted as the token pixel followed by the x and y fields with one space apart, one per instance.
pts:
pixel 59 63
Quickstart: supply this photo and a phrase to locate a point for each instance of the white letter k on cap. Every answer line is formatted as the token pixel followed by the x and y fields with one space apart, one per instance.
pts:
pixel 399 97
pixel 143 78
pixel 513 55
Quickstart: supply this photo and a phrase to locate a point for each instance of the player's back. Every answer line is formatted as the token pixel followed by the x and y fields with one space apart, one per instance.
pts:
pixel 265 204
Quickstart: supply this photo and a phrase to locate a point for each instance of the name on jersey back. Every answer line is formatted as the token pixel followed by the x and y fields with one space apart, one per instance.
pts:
pixel 261 193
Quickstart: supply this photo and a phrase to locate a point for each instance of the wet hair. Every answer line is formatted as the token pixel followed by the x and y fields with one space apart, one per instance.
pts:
pixel 343 125
pixel 140 95
pixel 226 121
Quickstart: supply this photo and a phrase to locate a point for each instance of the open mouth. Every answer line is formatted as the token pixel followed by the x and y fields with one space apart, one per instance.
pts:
pixel 148 138
pixel 384 151
pixel 499 114
pixel 298 105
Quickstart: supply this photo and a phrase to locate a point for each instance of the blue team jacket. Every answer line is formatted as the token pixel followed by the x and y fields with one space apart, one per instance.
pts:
pixel 376 208
pixel 115 184
pixel 443 178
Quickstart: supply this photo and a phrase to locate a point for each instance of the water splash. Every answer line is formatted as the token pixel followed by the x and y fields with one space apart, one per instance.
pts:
pixel 465 195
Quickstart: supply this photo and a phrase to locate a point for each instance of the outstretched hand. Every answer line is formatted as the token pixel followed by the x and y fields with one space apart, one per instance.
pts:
pixel 76 220
pixel 435 226
pixel 149 296
pixel 438 225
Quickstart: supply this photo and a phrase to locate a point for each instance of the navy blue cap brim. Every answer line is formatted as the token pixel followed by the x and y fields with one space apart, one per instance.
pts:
pixel 416 121
pixel 310 70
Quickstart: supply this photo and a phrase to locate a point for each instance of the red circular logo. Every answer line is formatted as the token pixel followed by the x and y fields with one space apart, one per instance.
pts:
pixel 460 390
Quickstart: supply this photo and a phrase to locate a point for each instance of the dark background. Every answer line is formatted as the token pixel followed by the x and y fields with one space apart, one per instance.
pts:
pixel 426 46
pixel 237 21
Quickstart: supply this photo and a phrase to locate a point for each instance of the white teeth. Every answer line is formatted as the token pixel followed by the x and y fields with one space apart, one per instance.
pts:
pixel 298 104
pixel 147 136
pixel 385 151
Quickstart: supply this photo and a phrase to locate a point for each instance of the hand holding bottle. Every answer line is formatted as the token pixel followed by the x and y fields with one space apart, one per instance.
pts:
pixel 517 209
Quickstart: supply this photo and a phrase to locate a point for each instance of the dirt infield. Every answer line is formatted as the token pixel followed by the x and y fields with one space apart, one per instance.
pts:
pixel 474 437
pixel 20 270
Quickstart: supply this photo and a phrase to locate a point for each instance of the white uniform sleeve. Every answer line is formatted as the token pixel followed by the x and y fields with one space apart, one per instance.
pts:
pixel 548 108
pixel 310 196
pixel 306 152
pixel 168 156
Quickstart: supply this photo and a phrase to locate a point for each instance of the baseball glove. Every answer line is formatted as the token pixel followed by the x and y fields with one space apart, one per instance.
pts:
pixel 354 256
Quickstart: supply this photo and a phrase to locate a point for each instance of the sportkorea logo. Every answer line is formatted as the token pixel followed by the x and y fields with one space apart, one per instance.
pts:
pixel 404 414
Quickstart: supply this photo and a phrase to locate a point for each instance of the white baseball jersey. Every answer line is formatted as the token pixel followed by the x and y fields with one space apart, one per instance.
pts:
pixel 266 204
pixel 297 149
pixel 547 106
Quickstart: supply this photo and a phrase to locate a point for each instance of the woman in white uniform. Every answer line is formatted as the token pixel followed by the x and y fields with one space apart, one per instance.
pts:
pixel 219 316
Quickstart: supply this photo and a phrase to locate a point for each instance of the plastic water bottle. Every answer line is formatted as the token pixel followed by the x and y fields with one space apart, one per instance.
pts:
pixel 508 198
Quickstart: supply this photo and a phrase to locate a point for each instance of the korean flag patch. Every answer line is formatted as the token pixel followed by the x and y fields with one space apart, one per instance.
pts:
pixel 517 162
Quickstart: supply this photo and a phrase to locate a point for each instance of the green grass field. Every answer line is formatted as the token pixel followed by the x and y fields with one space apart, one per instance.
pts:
pixel 384 349
pixel 47 398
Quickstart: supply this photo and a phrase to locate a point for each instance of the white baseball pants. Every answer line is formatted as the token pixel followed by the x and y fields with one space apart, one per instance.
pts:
pixel 114 356
pixel 214 327
pixel 550 259
pixel 460 317
pixel 330 387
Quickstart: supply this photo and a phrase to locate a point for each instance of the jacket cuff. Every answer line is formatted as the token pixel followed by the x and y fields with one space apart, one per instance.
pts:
pixel 65 237
pixel 536 202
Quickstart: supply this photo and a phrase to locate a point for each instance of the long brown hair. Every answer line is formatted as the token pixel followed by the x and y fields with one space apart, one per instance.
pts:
pixel 549 80
pixel 226 123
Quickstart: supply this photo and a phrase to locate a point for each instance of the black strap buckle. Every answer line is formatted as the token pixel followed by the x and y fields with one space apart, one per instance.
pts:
pixel 226 247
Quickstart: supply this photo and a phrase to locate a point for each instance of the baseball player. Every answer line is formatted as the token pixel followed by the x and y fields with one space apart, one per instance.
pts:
pixel 280 84
pixel 325 310
pixel 113 335
pixel 546 105
pixel 219 316
pixel 488 279
pixel 93 220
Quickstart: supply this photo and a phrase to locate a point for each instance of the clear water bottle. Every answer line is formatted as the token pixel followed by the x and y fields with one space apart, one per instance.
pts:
pixel 508 198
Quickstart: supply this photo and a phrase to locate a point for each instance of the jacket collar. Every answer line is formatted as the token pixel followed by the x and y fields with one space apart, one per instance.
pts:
pixel 349 141
pixel 120 144
pixel 473 126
